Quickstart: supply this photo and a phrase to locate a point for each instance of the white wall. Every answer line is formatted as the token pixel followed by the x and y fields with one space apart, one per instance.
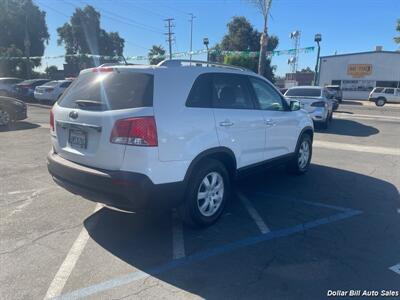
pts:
pixel 385 67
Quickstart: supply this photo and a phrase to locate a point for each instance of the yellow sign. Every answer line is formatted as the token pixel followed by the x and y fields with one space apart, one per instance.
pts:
pixel 359 70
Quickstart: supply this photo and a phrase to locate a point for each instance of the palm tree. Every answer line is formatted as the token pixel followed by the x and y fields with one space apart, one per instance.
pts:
pixel 156 54
pixel 263 6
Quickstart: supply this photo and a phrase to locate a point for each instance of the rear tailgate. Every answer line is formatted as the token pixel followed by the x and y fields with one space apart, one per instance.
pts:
pixel 82 131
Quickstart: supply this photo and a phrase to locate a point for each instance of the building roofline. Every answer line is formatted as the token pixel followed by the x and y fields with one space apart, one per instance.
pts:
pixel 358 53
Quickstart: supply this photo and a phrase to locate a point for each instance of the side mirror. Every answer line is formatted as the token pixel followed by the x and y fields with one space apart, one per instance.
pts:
pixel 295 105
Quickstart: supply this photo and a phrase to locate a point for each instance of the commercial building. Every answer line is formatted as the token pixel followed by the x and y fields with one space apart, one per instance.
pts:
pixel 303 77
pixel 359 73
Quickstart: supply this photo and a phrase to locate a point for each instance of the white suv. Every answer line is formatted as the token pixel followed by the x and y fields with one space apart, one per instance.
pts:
pixel 176 134
pixel 381 95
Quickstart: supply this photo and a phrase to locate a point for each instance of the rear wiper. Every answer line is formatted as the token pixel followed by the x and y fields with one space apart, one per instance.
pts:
pixel 88 103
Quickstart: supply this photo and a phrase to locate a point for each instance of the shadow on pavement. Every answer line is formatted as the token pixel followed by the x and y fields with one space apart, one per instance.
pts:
pixel 349 127
pixel 350 102
pixel 19 126
pixel 312 261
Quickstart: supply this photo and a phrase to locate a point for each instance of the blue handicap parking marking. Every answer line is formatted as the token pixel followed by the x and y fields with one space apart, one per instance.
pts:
pixel 336 214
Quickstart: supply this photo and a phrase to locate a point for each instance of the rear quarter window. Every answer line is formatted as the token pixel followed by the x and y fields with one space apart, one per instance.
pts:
pixel 111 90
pixel 201 93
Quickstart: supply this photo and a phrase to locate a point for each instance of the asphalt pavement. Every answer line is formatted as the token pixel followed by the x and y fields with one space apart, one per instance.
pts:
pixel 282 237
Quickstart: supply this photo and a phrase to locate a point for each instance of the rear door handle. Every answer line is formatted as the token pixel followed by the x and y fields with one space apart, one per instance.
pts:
pixel 226 123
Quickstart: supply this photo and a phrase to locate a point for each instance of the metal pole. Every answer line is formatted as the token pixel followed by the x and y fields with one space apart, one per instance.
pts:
pixel 316 74
pixel 191 34
pixel 27 44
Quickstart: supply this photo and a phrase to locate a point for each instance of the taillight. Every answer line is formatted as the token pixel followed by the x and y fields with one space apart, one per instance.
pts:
pixel 141 131
pixel 51 120
pixel 318 104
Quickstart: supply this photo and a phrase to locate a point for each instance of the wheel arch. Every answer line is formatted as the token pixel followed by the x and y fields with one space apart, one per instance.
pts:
pixel 222 154
pixel 306 130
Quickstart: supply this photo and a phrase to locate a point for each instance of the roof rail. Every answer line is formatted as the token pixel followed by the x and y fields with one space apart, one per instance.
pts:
pixel 197 63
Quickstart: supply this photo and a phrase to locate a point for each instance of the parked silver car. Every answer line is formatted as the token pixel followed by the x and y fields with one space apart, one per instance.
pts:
pixel 316 101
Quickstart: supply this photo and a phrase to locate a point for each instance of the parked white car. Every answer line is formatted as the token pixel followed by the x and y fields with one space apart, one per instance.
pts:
pixel 51 91
pixel 174 134
pixel 7 85
pixel 316 101
pixel 381 95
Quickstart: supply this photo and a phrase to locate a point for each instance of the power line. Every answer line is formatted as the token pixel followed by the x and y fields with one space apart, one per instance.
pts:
pixel 57 11
pixel 169 34
pixel 117 18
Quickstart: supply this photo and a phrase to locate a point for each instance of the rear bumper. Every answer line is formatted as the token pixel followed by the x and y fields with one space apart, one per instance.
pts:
pixel 121 189
pixel 319 114
pixel 44 97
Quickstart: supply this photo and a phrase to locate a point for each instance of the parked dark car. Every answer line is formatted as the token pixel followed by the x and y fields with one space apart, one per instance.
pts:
pixel 24 90
pixel 337 91
pixel 11 110
pixel 7 85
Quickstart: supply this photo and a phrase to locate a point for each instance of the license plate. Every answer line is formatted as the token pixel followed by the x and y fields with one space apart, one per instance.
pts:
pixel 77 138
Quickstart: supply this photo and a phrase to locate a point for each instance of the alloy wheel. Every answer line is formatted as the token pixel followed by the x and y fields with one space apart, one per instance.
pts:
pixel 304 154
pixel 210 194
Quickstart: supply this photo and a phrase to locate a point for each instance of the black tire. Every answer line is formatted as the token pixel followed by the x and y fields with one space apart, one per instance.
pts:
pixel 294 166
pixel 380 101
pixel 5 117
pixel 189 210
pixel 325 124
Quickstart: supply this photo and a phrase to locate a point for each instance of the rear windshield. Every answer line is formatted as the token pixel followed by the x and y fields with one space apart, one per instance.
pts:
pixel 304 92
pixel 51 83
pixel 109 91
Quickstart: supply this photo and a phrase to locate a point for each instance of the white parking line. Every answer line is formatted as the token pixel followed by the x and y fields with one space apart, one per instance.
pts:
pixel 395 268
pixel 357 148
pixel 254 214
pixel 69 262
pixel 367 117
pixel 178 243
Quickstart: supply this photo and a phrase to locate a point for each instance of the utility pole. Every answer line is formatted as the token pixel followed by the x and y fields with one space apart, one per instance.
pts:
pixel 27 44
pixel 191 34
pixel 169 34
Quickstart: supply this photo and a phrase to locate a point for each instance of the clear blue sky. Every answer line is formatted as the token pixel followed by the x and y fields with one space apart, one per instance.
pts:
pixel 346 25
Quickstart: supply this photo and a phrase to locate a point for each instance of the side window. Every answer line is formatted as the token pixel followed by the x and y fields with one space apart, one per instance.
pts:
pixel 201 93
pixel 231 91
pixel 389 91
pixel 268 98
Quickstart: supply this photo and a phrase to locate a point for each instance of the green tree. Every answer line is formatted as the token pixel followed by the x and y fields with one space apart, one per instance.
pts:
pixel 242 36
pixel 51 72
pixel 397 38
pixel 156 54
pixel 83 35
pixel 23 32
